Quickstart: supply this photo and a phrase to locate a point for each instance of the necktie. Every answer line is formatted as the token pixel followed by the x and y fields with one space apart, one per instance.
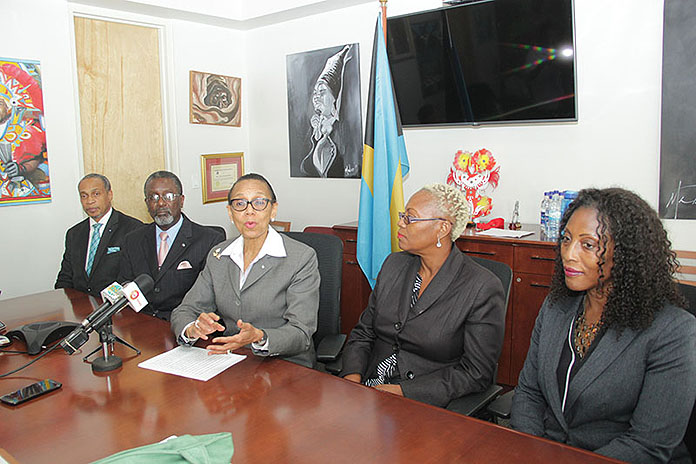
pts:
pixel 93 245
pixel 163 249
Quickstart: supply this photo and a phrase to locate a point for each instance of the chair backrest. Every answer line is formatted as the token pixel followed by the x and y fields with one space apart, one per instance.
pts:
pixel 501 270
pixel 689 292
pixel 221 230
pixel 329 249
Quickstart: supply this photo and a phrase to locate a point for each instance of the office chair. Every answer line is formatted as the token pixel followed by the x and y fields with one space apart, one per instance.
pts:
pixel 475 403
pixel 328 339
pixel 220 229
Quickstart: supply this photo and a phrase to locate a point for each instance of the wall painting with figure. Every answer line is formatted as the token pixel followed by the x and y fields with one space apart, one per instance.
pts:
pixel 324 114
pixel 24 176
pixel 678 140
pixel 215 99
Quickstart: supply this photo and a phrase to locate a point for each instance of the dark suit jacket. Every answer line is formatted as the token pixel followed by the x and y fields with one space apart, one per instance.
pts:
pixel 185 260
pixel 105 267
pixel 448 344
pixel 632 398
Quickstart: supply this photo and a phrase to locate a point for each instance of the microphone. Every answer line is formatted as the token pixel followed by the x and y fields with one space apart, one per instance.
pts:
pixel 130 294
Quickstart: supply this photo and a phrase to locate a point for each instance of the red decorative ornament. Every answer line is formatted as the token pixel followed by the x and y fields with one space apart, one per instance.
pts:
pixel 472 174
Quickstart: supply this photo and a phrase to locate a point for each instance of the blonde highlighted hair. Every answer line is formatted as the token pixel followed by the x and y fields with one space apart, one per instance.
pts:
pixel 451 202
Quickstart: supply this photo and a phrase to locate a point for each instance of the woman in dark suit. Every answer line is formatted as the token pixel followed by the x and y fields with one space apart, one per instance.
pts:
pixel 433 327
pixel 612 362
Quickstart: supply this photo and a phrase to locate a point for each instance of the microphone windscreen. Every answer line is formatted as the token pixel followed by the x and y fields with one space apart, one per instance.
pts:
pixel 144 283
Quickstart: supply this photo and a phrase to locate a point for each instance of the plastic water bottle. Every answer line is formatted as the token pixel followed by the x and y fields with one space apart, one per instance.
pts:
pixel 554 215
pixel 568 197
pixel 543 213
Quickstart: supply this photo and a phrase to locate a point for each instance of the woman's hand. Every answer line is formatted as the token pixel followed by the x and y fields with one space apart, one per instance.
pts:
pixel 206 323
pixel 357 378
pixel 391 388
pixel 247 334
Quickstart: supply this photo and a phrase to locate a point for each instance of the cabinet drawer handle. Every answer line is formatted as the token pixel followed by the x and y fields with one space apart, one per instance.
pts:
pixel 351 240
pixel 485 253
pixel 535 284
pixel 543 258
pixel 351 262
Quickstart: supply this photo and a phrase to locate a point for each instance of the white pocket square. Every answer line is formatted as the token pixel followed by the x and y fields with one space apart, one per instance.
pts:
pixel 183 265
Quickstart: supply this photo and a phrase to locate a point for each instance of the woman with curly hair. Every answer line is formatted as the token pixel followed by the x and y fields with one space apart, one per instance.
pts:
pixel 433 327
pixel 611 365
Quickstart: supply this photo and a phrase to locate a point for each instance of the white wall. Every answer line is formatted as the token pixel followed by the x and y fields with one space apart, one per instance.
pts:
pixel 33 244
pixel 615 142
pixel 34 234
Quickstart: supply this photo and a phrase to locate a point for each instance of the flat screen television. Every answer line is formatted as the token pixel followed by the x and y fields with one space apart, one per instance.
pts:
pixel 485 62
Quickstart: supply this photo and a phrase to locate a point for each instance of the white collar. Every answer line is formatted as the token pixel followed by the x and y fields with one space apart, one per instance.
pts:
pixel 105 218
pixel 272 246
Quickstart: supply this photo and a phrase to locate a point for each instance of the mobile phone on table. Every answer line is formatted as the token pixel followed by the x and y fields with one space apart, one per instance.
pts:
pixel 30 391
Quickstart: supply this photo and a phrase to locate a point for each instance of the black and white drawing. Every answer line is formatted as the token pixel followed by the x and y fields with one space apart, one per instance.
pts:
pixel 324 117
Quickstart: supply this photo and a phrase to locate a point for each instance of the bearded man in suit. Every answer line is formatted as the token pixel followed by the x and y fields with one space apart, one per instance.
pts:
pixel 172 249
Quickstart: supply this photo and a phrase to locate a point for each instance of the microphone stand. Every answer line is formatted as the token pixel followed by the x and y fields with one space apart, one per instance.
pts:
pixel 108 361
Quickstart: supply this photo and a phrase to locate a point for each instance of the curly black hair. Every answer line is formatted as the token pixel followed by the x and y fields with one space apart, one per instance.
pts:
pixel 642 276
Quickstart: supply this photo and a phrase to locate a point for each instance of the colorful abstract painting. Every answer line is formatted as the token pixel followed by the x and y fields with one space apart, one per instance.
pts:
pixel 215 99
pixel 24 176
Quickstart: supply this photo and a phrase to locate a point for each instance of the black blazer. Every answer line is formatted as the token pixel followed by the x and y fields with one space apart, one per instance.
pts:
pixel 185 260
pixel 107 261
pixel 448 344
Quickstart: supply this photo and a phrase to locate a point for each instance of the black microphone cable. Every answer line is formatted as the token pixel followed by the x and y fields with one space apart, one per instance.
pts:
pixel 32 361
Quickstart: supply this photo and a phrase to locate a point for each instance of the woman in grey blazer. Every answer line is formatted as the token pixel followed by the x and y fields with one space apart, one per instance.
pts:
pixel 612 362
pixel 433 327
pixel 264 286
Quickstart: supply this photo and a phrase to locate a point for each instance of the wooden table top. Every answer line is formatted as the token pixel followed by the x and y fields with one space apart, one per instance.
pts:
pixel 276 411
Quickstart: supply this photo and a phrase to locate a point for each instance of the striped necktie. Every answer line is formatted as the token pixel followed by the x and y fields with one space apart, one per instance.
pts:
pixel 93 245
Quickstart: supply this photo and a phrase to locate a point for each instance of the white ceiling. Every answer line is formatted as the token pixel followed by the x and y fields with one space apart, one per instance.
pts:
pixel 235 14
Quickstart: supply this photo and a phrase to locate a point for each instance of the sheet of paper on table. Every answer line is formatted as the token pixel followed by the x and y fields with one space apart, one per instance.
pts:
pixel 505 233
pixel 191 362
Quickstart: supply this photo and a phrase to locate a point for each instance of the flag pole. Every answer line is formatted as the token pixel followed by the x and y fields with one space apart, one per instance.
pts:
pixel 384 19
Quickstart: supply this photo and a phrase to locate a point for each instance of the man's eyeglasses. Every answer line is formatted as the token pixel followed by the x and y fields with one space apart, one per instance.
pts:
pixel 409 219
pixel 168 197
pixel 241 204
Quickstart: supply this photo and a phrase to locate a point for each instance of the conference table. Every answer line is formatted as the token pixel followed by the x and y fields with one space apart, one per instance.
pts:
pixel 276 411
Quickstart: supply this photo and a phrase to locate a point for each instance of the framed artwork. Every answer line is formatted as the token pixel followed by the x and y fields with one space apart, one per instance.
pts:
pixel 215 99
pixel 24 174
pixel 324 113
pixel 218 173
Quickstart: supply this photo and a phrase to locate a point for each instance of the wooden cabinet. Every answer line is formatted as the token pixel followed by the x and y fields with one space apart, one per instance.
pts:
pixel 355 289
pixel 530 258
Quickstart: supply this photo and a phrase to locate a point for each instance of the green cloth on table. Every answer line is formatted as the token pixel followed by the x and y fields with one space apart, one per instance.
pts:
pixel 214 448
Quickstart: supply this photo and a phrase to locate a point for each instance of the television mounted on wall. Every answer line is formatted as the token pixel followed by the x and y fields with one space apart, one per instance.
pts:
pixel 485 62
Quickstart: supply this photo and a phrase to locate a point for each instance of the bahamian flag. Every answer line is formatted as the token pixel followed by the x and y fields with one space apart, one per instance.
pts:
pixel 384 164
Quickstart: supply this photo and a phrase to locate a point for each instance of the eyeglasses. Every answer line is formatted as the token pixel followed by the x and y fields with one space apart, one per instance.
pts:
pixel 241 204
pixel 168 197
pixel 409 219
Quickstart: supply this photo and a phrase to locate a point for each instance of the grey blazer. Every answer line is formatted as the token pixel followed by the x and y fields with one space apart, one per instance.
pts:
pixel 448 344
pixel 632 398
pixel 280 296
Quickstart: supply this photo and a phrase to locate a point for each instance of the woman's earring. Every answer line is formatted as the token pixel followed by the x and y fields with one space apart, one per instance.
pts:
pixel 439 245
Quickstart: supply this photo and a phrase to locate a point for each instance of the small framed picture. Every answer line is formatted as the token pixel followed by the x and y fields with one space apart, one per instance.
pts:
pixel 215 99
pixel 218 173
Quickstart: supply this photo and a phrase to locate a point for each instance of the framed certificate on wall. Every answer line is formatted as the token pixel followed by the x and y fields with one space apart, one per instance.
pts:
pixel 218 173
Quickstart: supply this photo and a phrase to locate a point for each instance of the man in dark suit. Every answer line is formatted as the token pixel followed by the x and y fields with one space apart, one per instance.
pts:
pixel 93 247
pixel 172 249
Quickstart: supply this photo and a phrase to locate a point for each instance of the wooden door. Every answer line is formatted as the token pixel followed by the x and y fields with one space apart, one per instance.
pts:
pixel 121 116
